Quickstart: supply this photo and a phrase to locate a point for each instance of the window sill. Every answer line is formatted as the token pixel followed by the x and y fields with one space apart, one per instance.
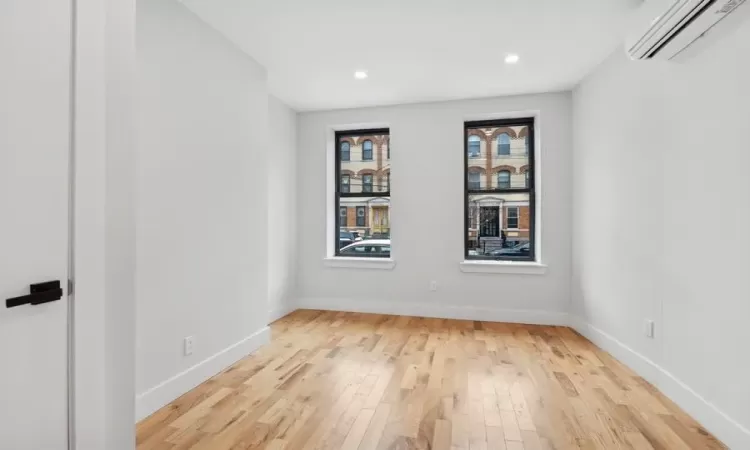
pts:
pixel 359 263
pixel 526 268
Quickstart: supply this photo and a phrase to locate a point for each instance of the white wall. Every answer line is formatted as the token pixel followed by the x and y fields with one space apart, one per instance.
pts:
pixel 662 212
pixel 427 216
pixel 201 202
pixel 104 303
pixel 282 208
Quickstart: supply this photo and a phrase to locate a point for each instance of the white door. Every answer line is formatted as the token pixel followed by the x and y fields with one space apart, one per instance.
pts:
pixel 35 53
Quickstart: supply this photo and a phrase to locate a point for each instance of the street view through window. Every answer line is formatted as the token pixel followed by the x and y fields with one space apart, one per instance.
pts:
pixel 363 193
pixel 499 177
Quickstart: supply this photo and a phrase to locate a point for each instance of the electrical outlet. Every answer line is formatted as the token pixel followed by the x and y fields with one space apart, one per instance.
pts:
pixel 648 328
pixel 188 346
pixel 433 285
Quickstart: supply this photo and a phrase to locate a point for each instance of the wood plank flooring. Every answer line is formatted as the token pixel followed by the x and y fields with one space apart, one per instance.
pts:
pixel 332 380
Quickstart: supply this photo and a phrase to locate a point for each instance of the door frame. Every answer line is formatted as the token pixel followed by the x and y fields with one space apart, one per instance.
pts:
pixel 101 393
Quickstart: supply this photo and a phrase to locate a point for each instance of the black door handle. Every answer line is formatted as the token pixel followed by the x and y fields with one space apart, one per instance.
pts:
pixel 39 293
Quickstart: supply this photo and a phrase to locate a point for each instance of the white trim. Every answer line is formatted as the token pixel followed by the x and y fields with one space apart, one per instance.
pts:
pixel 728 430
pixel 331 175
pixel 522 114
pixel 162 394
pixel 104 301
pixel 527 316
pixel 359 263
pixel 513 267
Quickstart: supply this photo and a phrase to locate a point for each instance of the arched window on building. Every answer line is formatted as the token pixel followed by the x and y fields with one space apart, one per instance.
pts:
pixel 367 150
pixel 503 179
pixel 345 151
pixel 503 144
pixel 474 146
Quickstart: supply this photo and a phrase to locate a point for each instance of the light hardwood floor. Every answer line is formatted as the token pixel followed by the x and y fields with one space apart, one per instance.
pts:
pixel 332 380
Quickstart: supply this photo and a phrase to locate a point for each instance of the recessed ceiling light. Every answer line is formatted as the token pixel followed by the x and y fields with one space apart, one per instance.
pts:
pixel 511 58
pixel 360 74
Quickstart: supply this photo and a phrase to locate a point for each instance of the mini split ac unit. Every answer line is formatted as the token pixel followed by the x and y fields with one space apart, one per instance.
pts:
pixel 674 29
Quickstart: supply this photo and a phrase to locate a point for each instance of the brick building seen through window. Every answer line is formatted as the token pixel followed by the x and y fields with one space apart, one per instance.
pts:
pixel 363 172
pixel 499 190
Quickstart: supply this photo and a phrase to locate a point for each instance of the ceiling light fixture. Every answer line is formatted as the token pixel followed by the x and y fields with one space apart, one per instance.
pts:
pixel 360 74
pixel 511 58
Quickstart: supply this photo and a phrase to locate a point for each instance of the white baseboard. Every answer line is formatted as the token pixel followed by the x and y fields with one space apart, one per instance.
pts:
pixel 162 394
pixel 728 430
pixel 437 311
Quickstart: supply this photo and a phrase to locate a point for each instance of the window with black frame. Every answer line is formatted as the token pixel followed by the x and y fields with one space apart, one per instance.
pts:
pixel 499 189
pixel 363 193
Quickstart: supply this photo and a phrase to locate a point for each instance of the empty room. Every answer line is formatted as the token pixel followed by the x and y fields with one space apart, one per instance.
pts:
pixel 324 225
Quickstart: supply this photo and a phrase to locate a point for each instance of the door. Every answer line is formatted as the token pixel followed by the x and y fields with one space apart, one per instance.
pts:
pixel 35 50
pixel 380 221
pixel 489 221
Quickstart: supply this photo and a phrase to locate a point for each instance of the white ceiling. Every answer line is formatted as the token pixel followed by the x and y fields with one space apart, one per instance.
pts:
pixel 417 50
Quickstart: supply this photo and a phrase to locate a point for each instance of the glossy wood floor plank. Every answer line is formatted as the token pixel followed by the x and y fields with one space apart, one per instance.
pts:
pixel 333 380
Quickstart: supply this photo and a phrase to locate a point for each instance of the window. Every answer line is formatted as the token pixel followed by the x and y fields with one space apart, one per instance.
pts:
pixel 473 144
pixel 345 151
pixel 388 148
pixel 512 218
pixel 474 180
pixel 503 144
pixel 367 150
pixel 367 183
pixel 345 181
pixel 503 179
pixel 503 213
pixel 363 194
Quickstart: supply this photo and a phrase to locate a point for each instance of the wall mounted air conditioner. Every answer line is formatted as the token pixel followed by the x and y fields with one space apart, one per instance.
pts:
pixel 670 29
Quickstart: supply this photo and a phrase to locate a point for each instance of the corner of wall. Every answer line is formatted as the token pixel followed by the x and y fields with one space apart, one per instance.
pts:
pixel 162 394
pixel 712 418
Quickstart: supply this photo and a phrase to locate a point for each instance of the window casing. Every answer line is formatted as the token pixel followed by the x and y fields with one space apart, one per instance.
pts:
pixel 499 218
pixel 364 186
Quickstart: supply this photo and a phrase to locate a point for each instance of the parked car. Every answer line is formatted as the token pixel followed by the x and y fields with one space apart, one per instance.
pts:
pixel 348 237
pixel 520 250
pixel 379 248
pixel 351 235
pixel 510 243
